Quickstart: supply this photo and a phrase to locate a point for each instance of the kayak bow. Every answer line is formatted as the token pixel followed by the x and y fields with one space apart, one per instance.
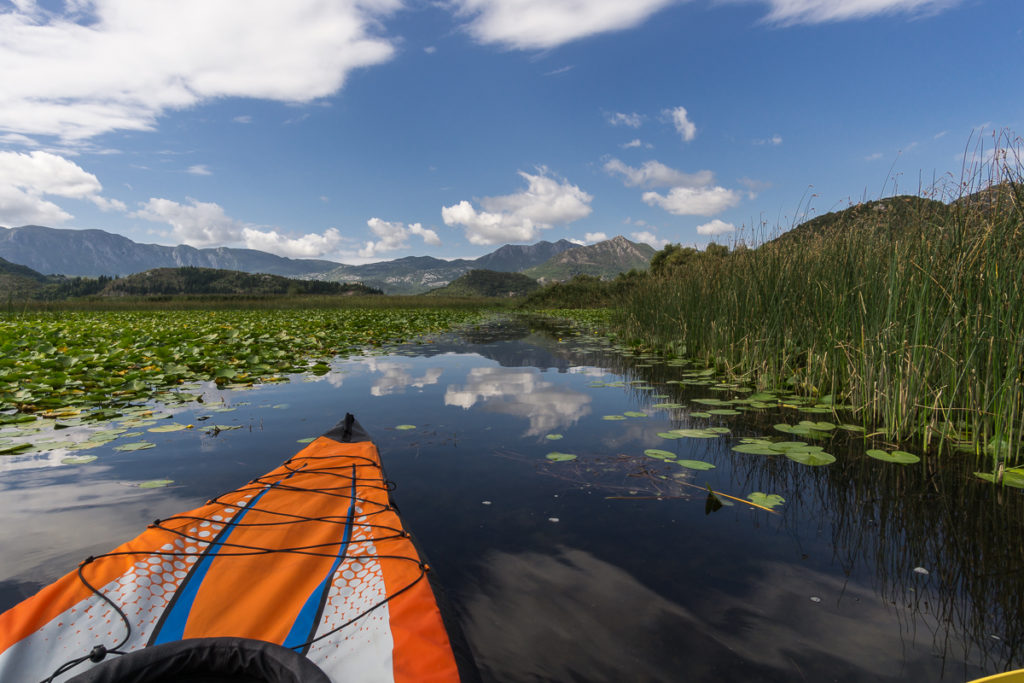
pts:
pixel 303 574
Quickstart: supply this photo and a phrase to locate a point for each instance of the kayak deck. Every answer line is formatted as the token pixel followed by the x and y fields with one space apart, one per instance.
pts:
pixel 311 556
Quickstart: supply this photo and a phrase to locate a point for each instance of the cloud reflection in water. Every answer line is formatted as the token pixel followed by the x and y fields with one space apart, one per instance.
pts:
pixel 522 393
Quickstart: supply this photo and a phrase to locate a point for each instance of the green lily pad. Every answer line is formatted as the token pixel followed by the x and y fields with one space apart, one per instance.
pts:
pixel 659 454
pixel 308 439
pixel 560 457
pixel 700 413
pixel 695 464
pixel 155 483
pixel 553 437
pixel 405 427
pixel 724 411
pixel 768 500
pixel 15 448
pixel 614 417
pixel 78 459
pixel 1012 478
pixel 689 434
pixel 135 446
pixel 812 458
pixel 755 449
pixel 168 428
pixel 900 457
pixel 634 413
pixel 666 406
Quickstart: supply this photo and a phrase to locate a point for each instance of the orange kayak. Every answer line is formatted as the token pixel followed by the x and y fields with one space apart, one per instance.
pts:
pixel 303 574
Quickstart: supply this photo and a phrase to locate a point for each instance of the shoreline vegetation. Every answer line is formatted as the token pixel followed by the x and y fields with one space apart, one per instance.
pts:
pixel 906 311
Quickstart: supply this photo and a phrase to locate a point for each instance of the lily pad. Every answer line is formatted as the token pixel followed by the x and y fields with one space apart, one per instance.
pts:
pixel 634 413
pixel 135 446
pixel 553 437
pixel 812 458
pixel 768 500
pixel 78 459
pixel 659 454
pixel 405 427
pixel 168 428
pixel 900 457
pixel 308 439
pixel 1011 477
pixel 614 417
pixel 155 483
pixel 755 449
pixel 560 457
pixel 695 464
pixel 724 411
pixel 700 413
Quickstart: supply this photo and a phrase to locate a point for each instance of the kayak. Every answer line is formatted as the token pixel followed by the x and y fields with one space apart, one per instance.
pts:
pixel 305 574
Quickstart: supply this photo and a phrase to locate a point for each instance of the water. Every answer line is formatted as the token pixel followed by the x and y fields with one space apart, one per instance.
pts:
pixel 612 566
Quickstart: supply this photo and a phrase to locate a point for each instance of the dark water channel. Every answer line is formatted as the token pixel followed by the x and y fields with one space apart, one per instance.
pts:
pixel 610 567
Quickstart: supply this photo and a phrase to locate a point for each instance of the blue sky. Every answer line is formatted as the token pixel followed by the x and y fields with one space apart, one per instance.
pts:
pixel 364 130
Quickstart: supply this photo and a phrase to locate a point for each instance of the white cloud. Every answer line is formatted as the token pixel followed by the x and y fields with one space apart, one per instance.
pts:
pixel 395 235
pixel 754 187
pixel 242 119
pixel 636 142
pixel 689 201
pixel 648 237
pixel 198 224
pixel 774 140
pixel 206 224
pixel 27 178
pixel 518 217
pixel 683 125
pixel 134 60
pixel 430 49
pixel 200 169
pixel 633 120
pixel 592 237
pixel 657 174
pixel 560 70
pixel 715 227
pixel 544 24
pixel 789 12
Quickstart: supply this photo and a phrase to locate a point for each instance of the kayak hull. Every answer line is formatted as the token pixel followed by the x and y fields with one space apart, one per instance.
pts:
pixel 311 557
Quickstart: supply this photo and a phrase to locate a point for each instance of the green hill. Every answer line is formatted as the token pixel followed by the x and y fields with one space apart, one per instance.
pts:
pixel 489 283
pixel 213 281
pixel 19 281
pixel 604 260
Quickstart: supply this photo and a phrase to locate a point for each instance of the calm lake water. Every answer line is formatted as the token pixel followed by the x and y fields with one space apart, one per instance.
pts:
pixel 611 567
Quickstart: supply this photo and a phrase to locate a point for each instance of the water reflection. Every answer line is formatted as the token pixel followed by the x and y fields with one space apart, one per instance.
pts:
pixel 397 376
pixel 522 393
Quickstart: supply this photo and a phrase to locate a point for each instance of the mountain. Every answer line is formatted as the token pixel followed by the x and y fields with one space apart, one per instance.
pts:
pixel 513 258
pixel 19 281
pixel 604 260
pixel 417 274
pixel 92 253
pixel 892 217
pixel 490 283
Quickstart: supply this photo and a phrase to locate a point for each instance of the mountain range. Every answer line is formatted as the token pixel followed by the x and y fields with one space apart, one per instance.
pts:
pixel 94 253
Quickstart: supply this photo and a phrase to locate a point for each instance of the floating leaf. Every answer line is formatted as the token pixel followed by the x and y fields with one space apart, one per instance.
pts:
pixel 666 406
pixel 14 449
pixel 807 457
pixel 851 428
pixel 659 454
pixel 135 446
pixel 695 464
pixel 614 417
pixel 405 427
pixel 900 457
pixel 1012 478
pixel 700 414
pixel 768 500
pixel 78 459
pixel 634 413
pixel 755 449
pixel 724 411
pixel 560 457
pixel 553 437
pixel 168 428
pixel 155 483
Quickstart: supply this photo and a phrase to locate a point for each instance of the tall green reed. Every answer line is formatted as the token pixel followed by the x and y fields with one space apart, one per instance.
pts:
pixel 909 310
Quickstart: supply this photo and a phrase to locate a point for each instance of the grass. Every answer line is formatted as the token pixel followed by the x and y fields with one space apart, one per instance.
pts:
pixel 913 317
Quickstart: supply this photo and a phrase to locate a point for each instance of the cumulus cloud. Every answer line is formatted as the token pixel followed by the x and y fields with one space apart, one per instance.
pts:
pixel 754 187
pixel 592 237
pixel 694 201
pixel 683 125
pixel 715 227
pixel 633 120
pixel 200 169
pixel 70 78
pixel 394 235
pixel 518 217
pixel 656 174
pixel 206 224
pixel 790 12
pixel 544 24
pixel 26 179
pixel 774 141
pixel 648 237
pixel 636 142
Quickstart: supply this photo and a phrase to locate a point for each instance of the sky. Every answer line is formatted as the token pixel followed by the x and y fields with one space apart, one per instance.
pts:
pixel 367 130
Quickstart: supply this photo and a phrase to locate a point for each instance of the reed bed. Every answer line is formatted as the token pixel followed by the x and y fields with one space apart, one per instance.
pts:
pixel 909 311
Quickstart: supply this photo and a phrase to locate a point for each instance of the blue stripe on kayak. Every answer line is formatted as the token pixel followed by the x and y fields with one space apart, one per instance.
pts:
pixel 174 619
pixel 306 622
